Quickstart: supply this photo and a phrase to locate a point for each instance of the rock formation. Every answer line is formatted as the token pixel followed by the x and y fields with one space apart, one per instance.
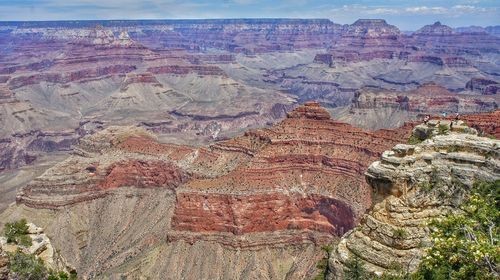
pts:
pixel 375 108
pixel 413 184
pixel 484 86
pixel 41 247
pixel 298 184
pixel 195 81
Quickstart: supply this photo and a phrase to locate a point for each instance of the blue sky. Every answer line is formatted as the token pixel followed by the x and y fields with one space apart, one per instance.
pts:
pixel 408 15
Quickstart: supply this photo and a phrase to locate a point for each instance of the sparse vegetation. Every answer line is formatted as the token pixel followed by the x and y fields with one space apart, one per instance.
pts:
pixel 414 140
pixel 452 149
pixel 443 129
pixel 425 186
pixel 323 263
pixel 355 269
pixel 17 232
pixel 61 275
pixel 26 266
pixel 399 233
pixel 434 178
pixel 465 245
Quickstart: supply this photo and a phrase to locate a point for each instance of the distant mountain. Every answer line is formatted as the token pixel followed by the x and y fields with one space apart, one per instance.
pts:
pixel 493 30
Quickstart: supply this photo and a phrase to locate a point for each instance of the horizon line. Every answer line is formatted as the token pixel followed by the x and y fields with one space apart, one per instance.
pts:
pixel 217 18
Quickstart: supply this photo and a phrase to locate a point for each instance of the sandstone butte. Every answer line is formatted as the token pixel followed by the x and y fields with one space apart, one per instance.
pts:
pixel 123 193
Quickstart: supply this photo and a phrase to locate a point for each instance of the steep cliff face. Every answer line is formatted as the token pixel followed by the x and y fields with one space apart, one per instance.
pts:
pixel 367 39
pixel 483 86
pixel 274 193
pixel 413 184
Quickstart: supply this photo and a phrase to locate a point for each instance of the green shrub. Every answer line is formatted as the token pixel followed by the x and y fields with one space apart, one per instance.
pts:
pixel 453 149
pixel 355 269
pixel 413 140
pixel 17 232
pixel 61 275
pixel 323 263
pixel 426 186
pixel 434 178
pixel 443 129
pixel 399 233
pixel 466 244
pixel 26 266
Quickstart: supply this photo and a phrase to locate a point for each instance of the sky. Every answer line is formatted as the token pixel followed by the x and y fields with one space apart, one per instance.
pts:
pixel 407 15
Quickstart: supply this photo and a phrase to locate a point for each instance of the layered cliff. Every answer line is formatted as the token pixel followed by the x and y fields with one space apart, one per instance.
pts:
pixel 412 185
pixel 274 193
pixel 199 80
pixel 306 171
pixel 375 108
pixel 125 204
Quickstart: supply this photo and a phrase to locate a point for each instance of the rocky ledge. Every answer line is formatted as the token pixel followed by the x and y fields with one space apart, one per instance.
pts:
pixel 41 247
pixel 413 184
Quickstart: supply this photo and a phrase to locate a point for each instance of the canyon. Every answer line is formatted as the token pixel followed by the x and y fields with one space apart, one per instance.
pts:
pixel 193 149
pixel 125 205
pixel 196 81
pixel 297 184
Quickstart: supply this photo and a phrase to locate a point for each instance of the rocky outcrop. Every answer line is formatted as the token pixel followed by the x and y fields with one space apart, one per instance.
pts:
pixel 484 86
pixel 413 184
pixel 436 29
pixel 41 247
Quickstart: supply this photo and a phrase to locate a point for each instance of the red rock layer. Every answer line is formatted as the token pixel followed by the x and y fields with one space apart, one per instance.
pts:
pixel 142 174
pixel 306 162
pixel 429 98
pixel 261 212
pixel 488 123
pixel 301 180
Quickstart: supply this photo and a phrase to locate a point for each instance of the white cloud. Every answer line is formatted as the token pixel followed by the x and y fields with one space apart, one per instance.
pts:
pixel 456 10
pixel 424 10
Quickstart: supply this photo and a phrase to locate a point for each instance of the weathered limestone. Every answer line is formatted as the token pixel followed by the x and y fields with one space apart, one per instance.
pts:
pixel 41 247
pixel 4 262
pixel 413 184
